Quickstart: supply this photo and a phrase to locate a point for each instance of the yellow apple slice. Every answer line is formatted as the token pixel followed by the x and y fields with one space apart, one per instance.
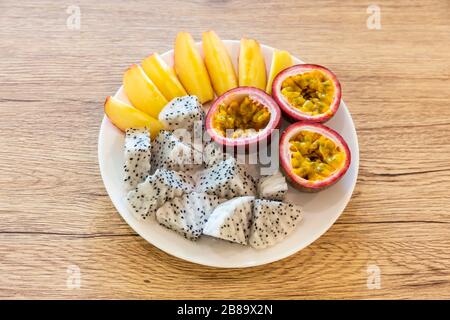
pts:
pixel 124 116
pixel 252 68
pixel 163 77
pixel 280 61
pixel 142 92
pixel 218 62
pixel 190 68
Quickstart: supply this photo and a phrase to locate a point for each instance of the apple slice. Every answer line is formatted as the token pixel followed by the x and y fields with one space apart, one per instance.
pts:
pixel 124 116
pixel 252 68
pixel 142 92
pixel 218 62
pixel 190 68
pixel 280 61
pixel 163 77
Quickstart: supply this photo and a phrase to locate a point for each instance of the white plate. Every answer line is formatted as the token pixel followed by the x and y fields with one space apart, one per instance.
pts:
pixel 321 209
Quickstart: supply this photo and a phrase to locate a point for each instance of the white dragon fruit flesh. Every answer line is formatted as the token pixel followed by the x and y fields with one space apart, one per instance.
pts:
pixel 137 151
pixel 272 222
pixel 273 187
pixel 168 152
pixel 158 188
pixel 182 112
pixel 187 214
pixel 226 180
pixel 213 154
pixel 231 220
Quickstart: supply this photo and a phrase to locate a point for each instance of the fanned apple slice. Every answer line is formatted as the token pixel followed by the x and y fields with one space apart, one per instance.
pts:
pixel 163 77
pixel 280 61
pixel 190 68
pixel 142 92
pixel 252 68
pixel 124 116
pixel 218 62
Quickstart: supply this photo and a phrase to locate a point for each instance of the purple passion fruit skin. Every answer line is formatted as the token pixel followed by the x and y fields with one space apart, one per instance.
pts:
pixel 313 156
pixel 307 92
pixel 242 117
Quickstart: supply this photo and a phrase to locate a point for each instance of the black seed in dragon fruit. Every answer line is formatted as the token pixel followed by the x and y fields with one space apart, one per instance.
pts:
pixel 137 152
pixel 273 187
pixel 182 112
pixel 158 188
pixel 272 222
pixel 187 214
pixel 226 180
pixel 231 220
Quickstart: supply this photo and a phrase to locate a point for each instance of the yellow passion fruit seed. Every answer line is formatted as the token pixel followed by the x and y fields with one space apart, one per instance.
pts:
pixel 314 157
pixel 244 117
pixel 311 92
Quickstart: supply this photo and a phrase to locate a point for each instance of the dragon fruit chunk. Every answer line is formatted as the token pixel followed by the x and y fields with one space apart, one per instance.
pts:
pixel 137 151
pixel 273 187
pixel 187 214
pixel 226 180
pixel 272 222
pixel 213 154
pixel 231 220
pixel 182 112
pixel 158 188
pixel 171 153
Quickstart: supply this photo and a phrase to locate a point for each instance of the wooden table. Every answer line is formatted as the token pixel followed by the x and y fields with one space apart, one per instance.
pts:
pixel 56 220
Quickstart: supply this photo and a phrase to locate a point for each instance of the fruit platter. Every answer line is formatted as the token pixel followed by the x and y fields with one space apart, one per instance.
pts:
pixel 228 153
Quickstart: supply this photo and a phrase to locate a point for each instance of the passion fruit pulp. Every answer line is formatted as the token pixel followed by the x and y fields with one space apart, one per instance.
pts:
pixel 307 92
pixel 313 156
pixel 242 116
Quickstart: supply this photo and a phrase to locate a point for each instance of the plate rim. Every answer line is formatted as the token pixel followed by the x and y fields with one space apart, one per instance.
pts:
pixel 133 223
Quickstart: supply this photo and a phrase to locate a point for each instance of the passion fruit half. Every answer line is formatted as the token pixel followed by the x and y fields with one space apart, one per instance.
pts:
pixel 313 156
pixel 307 92
pixel 243 116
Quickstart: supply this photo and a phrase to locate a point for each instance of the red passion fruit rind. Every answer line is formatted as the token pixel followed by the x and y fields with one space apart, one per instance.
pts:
pixel 242 116
pixel 324 156
pixel 307 92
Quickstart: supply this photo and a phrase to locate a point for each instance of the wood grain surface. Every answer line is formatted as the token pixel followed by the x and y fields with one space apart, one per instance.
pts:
pixel 55 214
